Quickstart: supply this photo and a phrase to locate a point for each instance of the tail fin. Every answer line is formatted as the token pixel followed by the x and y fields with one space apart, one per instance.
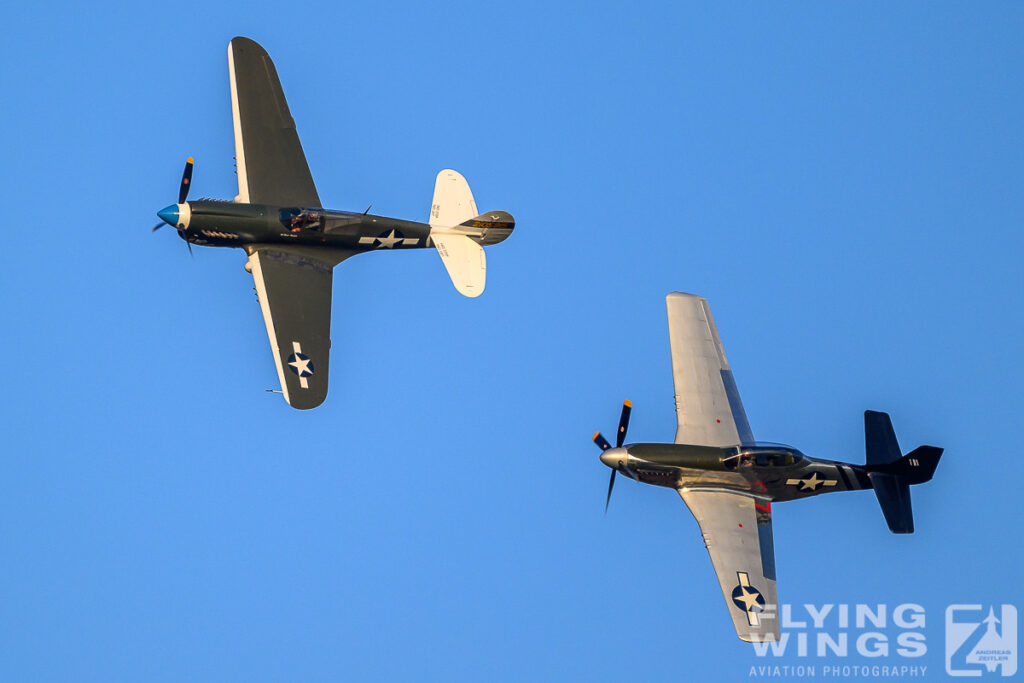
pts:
pixel 892 475
pixel 488 228
pixel 460 234
pixel 916 467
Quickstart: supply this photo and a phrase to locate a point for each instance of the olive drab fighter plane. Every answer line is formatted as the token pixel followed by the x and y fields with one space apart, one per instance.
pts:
pixel 729 481
pixel 293 243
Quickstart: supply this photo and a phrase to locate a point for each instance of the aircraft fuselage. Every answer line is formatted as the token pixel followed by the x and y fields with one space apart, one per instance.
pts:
pixel 777 473
pixel 222 223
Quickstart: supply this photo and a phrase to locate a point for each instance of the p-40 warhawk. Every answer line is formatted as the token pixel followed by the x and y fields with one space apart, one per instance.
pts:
pixel 293 243
pixel 729 481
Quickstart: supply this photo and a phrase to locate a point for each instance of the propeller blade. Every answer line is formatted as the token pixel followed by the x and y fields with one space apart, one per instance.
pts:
pixel 620 438
pixel 601 441
pixel 157 227
pixel 186 181
pixel 611 484
pixel 189 245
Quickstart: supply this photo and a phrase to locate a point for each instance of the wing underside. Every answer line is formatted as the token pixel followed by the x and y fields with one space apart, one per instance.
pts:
pixel 272 167
pixel 294 291
pixel 737 531
pixel 708 407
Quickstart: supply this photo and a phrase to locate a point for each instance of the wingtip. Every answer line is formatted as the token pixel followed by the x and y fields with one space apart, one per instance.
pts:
pixel 683 295
pixel 244 41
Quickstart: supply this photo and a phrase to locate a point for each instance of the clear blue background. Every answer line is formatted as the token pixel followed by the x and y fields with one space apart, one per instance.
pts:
pixel 841 180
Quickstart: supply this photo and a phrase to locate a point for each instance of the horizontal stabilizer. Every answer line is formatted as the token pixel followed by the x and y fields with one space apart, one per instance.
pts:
pixel 453 200
pixel 880 439
pixel 464 260
pixel 893 494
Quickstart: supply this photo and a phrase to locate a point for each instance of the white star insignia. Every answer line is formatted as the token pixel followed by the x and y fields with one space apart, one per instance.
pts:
pixel 748 597
pixel 389 241
pixel 301 365
pixel 811 483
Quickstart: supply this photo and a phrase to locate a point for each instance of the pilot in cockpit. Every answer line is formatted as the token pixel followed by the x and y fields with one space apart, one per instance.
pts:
pixel 297 220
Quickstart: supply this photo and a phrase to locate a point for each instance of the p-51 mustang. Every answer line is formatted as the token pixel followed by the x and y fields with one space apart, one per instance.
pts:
pixel 729 481
pixel 293 243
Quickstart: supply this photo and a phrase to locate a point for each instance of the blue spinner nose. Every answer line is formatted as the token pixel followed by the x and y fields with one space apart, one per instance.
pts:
pixel 169 215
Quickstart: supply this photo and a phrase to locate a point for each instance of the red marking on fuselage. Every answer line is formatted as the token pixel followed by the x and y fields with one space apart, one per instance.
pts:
pixel 767 507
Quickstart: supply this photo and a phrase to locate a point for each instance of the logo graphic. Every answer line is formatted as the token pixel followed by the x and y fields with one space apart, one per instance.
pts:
pixel 748 598
pixel 300 364
pixel 977 644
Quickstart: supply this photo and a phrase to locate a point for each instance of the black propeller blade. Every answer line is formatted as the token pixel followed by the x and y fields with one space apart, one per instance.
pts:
pixel 186 181
pixel 620 438
pixel 627 408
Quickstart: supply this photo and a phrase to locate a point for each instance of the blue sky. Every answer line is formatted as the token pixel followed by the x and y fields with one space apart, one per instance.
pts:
pixel 841 180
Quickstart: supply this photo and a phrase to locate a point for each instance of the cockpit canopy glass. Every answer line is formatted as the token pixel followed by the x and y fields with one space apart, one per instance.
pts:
pixel 298 219
pixel 762 454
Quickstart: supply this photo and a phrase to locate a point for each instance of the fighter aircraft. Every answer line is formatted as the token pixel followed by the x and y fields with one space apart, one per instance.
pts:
pixel 729 481
pixel 294 243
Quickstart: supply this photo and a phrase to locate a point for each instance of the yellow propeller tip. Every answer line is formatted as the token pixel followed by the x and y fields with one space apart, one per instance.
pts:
pixel 596 434
pixel 191 160
pixel 627 403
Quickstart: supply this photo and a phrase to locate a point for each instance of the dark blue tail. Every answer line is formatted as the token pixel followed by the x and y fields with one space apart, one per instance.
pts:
pixel 891 475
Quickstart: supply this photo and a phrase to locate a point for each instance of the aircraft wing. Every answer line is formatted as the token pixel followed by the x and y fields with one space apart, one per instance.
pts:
pixel 271 165
pixel 294 290
pixel 737 531
pixel 708 407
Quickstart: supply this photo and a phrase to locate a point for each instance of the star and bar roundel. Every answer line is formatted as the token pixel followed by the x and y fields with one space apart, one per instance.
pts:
pixel 390 239
pixel 300 364
pixel 811 483
pixel 748 598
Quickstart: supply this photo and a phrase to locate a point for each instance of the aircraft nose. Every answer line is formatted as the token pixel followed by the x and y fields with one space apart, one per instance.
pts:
pixel 613 456
pixel 169 215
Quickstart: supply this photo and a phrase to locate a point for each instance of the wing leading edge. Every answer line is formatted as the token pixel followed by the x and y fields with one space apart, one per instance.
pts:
pixel 737 531
pixel 708 407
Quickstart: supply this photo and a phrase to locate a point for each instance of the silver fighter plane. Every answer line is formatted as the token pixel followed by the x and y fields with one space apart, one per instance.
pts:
pixel 729 481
